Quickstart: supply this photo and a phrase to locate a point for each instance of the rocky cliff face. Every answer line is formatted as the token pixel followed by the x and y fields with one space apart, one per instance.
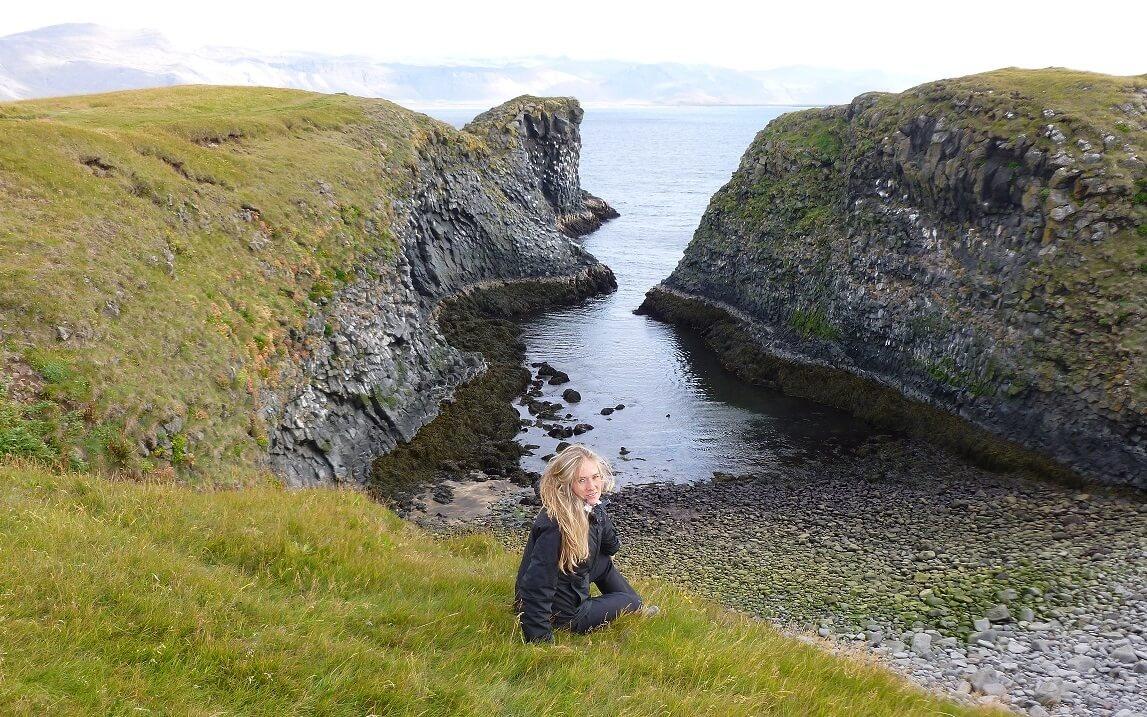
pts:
pixel 493 204
pixel 979 245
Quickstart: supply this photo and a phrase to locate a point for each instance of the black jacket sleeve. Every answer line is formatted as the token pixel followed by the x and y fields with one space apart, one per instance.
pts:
pixel 609 542
pixel 538 583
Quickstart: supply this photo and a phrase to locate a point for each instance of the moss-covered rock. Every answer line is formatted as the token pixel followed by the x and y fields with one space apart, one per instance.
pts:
pixel 971 243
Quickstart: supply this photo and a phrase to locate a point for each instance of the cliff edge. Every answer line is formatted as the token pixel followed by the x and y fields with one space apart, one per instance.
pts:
pixel 205 279
pixel 978 245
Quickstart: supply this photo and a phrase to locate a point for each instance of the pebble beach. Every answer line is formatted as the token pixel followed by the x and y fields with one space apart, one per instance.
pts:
pixel 990 587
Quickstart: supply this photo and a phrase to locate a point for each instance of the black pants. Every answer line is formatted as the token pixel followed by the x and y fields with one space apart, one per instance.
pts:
pixel 617 596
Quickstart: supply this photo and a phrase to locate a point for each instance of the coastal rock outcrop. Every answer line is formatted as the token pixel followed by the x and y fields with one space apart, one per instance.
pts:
pixel 975 245
pixel 205 282
pixel 494 204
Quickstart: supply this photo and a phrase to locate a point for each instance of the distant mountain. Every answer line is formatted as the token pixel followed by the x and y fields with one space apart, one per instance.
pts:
pixel 85 58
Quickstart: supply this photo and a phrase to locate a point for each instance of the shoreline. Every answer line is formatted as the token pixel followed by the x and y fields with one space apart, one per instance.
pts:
pixel 885 551
pixel 474 432
pixel 892 547
pixel 758 355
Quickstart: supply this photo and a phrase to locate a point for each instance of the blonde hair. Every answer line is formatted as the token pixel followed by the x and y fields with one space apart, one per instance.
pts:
pixel 567 510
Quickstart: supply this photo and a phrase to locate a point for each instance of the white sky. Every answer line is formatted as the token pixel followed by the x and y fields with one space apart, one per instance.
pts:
pixel 920 37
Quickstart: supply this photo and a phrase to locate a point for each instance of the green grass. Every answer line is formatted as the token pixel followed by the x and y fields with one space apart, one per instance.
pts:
pixel 127 598
pixel 182 233
pixel 813 322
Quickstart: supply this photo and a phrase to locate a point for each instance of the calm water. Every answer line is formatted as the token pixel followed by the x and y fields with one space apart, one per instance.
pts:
pixel 684 416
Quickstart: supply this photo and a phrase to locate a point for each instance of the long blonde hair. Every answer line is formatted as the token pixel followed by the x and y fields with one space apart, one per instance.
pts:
pixel 567 510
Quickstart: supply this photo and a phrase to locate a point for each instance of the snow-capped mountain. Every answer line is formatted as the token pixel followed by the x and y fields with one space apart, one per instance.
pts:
pixel 86 58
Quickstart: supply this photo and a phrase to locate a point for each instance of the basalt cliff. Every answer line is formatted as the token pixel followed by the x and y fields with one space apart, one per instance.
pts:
pixel 966 260
pixel 197 279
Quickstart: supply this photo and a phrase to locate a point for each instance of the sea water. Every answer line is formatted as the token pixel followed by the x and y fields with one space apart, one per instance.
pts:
pixel 685 416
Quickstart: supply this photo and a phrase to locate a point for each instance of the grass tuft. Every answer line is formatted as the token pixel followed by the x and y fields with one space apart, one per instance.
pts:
pixel 135 597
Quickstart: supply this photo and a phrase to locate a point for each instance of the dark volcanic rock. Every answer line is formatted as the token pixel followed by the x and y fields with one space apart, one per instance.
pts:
pixel 970 245
pixel 482 212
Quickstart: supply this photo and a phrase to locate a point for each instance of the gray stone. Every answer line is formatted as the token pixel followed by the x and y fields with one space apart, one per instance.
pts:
pixel 999 613
pixel 984 677
pixel 922 644
pixel 1049 692
pixel 988 636
pixel 1124 653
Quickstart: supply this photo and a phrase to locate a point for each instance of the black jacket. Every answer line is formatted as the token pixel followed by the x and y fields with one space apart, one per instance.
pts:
pixel 544 595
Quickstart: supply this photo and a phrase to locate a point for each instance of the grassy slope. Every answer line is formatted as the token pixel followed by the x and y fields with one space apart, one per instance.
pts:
pixel 264 201
pixel 129 598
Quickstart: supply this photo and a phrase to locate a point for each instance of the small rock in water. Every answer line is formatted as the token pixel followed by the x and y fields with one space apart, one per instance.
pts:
pixel 545 369
pixel 606 411
pixel 571 395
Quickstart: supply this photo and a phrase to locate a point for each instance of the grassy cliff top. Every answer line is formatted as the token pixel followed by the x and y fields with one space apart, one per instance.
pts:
pixel 129 598
pixel 157 247
pixel 1107 111
pixel 498 117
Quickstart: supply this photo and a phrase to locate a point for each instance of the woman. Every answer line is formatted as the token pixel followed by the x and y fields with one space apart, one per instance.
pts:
pixel 569 547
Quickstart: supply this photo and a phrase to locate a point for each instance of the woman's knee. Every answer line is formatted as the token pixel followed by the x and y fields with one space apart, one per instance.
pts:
pixel 635 601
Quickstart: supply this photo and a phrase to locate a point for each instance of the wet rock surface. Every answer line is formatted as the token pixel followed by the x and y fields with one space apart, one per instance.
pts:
pixel 474 433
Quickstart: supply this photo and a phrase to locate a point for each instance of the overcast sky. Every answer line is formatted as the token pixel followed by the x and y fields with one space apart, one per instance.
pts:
pixel 936 39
